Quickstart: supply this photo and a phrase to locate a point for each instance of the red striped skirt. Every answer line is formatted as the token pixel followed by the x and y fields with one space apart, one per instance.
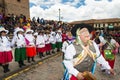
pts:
pixel 6 57
pixel 43 49
pixel 48 47
pixel 31 51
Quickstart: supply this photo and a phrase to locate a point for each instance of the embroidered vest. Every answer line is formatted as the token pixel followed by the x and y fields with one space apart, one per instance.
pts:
pixel 87 62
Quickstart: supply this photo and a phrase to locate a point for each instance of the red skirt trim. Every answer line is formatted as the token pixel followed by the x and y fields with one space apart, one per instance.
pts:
pixel 43 49
pixel 48 47
pixel 111 62
pixel 6 57
pixel 74 78
pixel 30 51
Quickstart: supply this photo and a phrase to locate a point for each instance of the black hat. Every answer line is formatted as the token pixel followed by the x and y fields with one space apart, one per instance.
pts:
pixel 80 26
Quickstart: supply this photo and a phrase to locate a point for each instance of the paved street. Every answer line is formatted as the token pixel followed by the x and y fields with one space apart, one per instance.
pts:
pixel 52 69
pixel 103 76
pixel 14 68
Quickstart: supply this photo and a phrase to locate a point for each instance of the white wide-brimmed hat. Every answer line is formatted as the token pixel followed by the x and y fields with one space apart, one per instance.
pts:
pixel 59 31
pixel 3 29
pixel 35 34
pixel 29 30
pixel 18 30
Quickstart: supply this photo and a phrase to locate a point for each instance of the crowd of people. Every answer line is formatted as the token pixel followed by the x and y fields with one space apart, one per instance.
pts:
pixel 29 38
pixel 11 21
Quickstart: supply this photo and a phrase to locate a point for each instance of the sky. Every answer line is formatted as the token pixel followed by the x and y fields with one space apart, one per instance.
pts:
pixel 74 10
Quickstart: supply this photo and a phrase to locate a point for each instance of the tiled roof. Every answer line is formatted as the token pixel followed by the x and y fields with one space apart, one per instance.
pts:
pixel 110 20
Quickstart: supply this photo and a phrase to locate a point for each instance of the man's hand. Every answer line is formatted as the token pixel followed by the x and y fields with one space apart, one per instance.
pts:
pixel 80 76
pixel 112 71
pixel 101 44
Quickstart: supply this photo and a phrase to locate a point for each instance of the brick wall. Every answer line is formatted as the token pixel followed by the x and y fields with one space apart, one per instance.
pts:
pixel 17 7
pixel 1 6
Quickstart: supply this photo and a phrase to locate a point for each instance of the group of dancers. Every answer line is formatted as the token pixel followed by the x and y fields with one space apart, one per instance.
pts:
pixel 26 44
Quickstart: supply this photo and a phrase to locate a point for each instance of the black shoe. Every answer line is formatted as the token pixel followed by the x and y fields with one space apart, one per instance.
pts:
pixel 46 53
pixel 53 52
pixel 33 60
pixel 103 70
pixel 49 53
pixel 42 55
pixel 23 64
pixel 20 65
pixel 5 71
pixel 29 61
pixel 58 50
pixel 8 70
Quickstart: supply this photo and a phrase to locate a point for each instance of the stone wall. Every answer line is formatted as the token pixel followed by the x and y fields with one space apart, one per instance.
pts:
pixel 1 6
pixel 17 7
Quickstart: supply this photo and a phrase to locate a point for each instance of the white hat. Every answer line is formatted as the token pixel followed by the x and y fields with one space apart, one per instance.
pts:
pixel 53 33
pixel 59 31
pixel 29 30
pixel 19 29
pixel 3 29
pixel 35 34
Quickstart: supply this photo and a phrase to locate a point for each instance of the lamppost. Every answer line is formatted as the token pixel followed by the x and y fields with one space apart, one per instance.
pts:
pixel 59 14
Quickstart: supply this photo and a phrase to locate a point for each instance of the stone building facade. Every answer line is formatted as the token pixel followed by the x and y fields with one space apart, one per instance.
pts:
pixel 16 7
pixel 102 23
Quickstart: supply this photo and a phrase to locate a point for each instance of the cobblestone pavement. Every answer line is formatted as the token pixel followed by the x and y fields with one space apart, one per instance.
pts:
pixel 13 66
pixel 103 76
pixel 52 69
